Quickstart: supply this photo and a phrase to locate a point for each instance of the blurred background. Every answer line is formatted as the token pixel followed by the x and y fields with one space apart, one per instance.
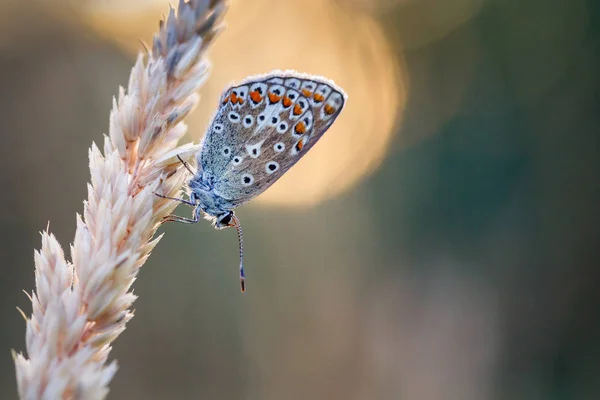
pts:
pixel 440 242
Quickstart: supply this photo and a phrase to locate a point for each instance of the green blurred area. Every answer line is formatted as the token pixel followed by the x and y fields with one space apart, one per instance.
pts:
pixel 465 267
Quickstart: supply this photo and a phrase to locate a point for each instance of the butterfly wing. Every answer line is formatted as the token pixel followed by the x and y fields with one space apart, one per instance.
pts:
pixel 263 127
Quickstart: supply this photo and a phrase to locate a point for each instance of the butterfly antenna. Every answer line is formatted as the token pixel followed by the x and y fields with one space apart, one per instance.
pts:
pixel 186 165
pixel 238 227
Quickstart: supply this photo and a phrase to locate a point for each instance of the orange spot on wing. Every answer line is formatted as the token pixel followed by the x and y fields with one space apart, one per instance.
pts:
pixel 329 109
pixel 306 92
pixel 236 100
pixel 297 109
pixel 318 97
pixel 287 101
pixel 300 128
pixel 299 145
pixel 227 98
pixel 273 98
pixel 255 96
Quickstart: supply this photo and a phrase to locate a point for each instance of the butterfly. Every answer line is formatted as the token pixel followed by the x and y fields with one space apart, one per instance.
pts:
pixel 262 127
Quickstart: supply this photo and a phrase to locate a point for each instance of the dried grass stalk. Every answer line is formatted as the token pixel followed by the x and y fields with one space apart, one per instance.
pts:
pixel 80 307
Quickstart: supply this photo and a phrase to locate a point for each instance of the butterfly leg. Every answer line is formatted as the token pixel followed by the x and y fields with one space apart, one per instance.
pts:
pixel 177 218
pixel 183 220
pixel 184 201
pixel 189 203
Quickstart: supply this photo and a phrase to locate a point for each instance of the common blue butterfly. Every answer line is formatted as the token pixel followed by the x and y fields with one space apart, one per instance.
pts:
pixel 262 127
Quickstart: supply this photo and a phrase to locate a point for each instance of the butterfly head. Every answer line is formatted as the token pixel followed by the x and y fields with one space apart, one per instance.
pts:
pixel 224 220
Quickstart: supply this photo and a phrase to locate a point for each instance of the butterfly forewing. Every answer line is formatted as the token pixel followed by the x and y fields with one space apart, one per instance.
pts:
pixel 263 127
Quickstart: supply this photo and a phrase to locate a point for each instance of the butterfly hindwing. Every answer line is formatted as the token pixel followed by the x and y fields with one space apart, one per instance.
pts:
pixel 263 127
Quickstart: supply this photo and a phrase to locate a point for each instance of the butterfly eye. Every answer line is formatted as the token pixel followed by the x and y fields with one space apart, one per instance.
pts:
pixel 226 151
pixel 248 121
pixel 225 219
pixel 279 147
pixel 234 117
pixel 282 128
pixel 271 167
pixel 247 179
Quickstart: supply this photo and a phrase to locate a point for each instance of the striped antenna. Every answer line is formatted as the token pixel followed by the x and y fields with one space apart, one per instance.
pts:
pixel 238 227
